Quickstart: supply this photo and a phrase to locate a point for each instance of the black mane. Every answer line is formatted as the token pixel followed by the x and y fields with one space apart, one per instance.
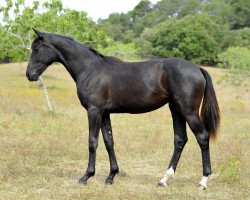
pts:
pixel 104 59
pixel 97 53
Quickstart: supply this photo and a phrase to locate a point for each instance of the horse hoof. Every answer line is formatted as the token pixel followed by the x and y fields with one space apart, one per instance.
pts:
pixel 202 187
pixel 82 181
pixel 160 184
pixel 109 182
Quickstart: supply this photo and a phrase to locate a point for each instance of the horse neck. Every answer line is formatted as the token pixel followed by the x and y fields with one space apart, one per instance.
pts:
pixel 75 58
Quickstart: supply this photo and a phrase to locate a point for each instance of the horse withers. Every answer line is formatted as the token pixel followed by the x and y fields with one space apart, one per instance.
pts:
pixel 107 85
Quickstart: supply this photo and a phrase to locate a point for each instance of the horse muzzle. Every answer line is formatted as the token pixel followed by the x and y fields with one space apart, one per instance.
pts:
pixel 32 76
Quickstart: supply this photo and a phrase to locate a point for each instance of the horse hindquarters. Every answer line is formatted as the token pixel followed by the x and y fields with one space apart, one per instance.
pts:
pixel 188 84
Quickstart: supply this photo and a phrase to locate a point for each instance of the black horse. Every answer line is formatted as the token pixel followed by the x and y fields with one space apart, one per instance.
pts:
pixel 108 85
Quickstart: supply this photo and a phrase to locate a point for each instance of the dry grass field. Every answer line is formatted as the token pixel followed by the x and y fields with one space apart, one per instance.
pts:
pixel 43 154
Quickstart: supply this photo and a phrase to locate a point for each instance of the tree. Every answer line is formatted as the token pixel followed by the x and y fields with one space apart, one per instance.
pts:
pixel 118 26
pixel 14 41
pixel 192 38
pixel 190 7
pixel 168 9
pixel 127 27
pixel 241 12
pixel 245 36
pixel 141 9
pixel 18 34
pixel 235 13
pixel 221 10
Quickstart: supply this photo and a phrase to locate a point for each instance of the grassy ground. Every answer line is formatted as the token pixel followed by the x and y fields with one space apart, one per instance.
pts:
pixel 43 154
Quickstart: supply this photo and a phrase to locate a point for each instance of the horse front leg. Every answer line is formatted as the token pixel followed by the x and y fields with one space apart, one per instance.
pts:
pixel 109 143
pixel 94 118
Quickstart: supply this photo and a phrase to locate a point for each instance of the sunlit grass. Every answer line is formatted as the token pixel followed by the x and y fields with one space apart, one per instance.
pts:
pixel 44 153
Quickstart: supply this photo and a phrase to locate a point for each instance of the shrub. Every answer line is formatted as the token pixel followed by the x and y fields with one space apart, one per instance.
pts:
pixel 192 37
pixel 123 51
pixel 237 59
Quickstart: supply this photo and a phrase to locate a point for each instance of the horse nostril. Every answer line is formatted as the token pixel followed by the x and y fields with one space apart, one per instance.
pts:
pixel 27 75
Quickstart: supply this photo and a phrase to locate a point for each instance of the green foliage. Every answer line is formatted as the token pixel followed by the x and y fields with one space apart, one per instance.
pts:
pixel 192 38
pixel 127 51
pixel 221 10
pixel 241 12
pixel 118 27
pixel 235 13
pixel 144 15
pixel 141 9
pixel 17 33
pixel 190 7
pixel 145 42
pixel 168 8
pixel 245 37
pixel 237 59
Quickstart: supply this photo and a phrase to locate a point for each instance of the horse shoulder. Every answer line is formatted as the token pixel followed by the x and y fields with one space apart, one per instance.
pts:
pixel 94 90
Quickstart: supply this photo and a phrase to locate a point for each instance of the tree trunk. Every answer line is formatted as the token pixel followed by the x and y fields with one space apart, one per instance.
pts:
pixel 42 85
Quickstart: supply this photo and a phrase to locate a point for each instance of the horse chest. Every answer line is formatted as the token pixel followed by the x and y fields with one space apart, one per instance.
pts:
pixel 83 98
pixel 95 97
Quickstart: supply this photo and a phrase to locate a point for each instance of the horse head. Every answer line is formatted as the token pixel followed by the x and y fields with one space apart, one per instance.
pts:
pixel 43 54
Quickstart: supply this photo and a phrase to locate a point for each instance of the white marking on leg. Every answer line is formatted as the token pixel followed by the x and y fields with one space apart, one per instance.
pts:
pixel 203 181
pixel 169 173
pixel 109 132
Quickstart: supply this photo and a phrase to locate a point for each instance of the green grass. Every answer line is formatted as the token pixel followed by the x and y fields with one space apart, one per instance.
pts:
pixel 43 154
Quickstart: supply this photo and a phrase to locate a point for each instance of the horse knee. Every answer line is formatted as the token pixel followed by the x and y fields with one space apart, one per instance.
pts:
pixel 203 139
pixel 179 142
pixel 93 143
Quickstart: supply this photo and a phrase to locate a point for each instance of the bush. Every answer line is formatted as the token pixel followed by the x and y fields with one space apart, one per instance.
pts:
pixel 245 36
pixel 123 51
pixel 231 38
pixel 192 37
pixel 237 59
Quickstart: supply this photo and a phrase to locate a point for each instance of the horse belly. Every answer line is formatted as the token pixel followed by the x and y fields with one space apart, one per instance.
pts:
pixel 138 104
pixel 140 90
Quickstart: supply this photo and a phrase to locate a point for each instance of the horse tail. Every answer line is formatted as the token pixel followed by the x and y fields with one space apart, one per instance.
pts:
pixel 210 111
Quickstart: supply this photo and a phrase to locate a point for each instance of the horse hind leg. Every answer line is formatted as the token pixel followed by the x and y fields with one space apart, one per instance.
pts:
pixel 202 138
pixel 180 139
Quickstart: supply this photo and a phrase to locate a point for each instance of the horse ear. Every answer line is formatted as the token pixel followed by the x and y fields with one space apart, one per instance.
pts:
pixel 38 33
